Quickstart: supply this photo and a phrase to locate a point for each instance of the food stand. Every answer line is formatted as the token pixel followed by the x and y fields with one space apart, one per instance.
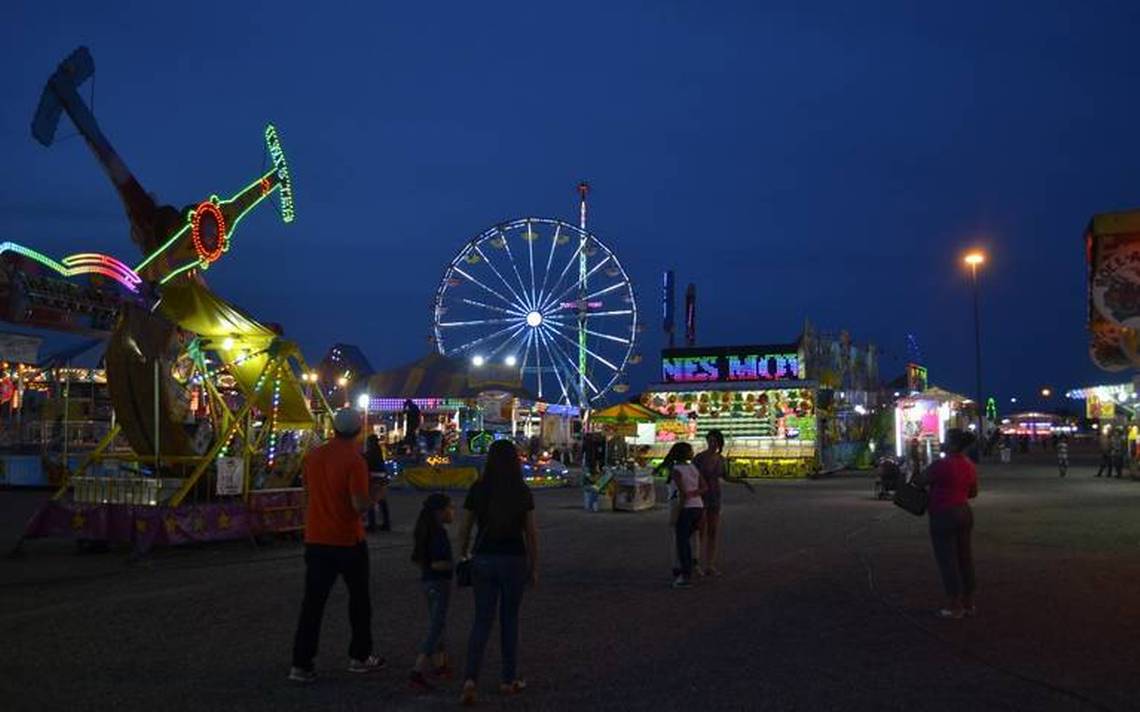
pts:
pixel 758 396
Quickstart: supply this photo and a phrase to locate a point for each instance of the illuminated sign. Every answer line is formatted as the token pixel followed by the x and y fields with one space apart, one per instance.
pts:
pixel 731 364
pixel 916 380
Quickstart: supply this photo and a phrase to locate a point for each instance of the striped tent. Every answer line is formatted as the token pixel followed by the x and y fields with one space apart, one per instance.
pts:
pixel 438 376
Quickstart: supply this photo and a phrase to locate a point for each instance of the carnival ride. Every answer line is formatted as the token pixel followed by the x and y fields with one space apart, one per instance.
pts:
pixel 208 399
pixel 567 319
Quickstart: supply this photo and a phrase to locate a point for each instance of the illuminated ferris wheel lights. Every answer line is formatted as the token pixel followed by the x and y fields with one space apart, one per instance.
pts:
pixel 528 301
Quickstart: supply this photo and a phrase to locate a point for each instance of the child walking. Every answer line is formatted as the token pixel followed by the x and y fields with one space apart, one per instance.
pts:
pixel 687 481
pixel 432 553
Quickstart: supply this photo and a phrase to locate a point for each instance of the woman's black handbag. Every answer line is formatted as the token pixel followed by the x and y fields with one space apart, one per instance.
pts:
pixel 912 498
pixel 463 573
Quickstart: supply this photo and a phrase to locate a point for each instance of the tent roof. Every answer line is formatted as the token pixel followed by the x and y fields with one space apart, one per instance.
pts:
pixel 438 376
pixel 624 411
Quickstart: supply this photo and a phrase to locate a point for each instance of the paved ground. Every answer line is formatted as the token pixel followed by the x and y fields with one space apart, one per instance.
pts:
pixel 825 605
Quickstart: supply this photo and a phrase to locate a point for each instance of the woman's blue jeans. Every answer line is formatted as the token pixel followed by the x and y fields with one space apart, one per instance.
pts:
pixel 497 580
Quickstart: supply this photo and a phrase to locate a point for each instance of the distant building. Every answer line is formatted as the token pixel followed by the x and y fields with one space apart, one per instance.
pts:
pixel 344 367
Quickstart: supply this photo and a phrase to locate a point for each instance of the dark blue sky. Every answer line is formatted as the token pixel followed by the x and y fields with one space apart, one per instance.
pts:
pixel 830 164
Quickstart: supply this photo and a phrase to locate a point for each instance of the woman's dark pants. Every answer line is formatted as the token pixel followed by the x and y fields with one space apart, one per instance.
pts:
pixel 498 579
pixel 950 532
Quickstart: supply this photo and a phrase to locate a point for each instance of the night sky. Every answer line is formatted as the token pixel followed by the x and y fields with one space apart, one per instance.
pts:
pixel 831 164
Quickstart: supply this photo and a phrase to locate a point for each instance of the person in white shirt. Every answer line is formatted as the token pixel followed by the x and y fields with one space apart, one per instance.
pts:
pixel 690 487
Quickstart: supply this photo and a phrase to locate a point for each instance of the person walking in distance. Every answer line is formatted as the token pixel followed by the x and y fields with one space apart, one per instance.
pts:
pixel 431 551
pixel 687 481
pixel 1119 445
pixel 413 419
pixel 1105 451
pixel 378 475
pixel 1062 448
pixel 952 482
pixel 712 466
pixel 336 490
pixel 500 507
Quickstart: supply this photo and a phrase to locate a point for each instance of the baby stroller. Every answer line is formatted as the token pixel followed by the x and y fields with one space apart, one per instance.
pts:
pixel 888 478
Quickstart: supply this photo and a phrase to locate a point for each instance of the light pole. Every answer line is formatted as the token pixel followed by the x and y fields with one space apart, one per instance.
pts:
pixel 343 383
pixel 975 258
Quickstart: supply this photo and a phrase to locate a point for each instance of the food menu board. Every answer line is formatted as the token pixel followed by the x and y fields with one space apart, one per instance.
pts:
pixel 785 413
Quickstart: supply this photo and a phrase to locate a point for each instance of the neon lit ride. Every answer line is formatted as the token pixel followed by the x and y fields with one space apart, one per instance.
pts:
pixel 209 400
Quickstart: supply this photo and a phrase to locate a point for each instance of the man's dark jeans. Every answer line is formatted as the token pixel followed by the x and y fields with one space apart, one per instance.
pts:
pixel 322 566
pixel 497 579
pixel 950 532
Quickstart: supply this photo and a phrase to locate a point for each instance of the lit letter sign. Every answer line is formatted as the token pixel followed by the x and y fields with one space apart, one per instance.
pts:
pixel 754 363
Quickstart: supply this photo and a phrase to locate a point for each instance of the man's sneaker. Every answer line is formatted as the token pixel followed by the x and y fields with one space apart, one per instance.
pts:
pixel 302 676
pixel 370 664
pixel 681 582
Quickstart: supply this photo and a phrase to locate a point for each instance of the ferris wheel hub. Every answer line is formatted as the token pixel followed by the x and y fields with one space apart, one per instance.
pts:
pixel 534 319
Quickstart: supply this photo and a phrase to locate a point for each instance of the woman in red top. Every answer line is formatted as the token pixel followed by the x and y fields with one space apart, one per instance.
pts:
pixel 951 483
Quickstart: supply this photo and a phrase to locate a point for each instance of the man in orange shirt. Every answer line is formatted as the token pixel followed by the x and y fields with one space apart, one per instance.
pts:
pixel 336 487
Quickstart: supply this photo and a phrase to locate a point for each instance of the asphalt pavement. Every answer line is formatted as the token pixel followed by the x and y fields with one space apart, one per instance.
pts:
pixel 825 604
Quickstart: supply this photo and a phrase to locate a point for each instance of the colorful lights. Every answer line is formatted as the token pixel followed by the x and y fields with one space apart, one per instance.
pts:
pixel 208 231
pixel 730 365
pixel 81 263
pixel 271 452
pixel 273 142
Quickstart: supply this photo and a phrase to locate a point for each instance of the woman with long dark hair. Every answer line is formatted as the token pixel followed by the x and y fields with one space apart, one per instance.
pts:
pixel 501 509
pixel 689 487
pixel 952 482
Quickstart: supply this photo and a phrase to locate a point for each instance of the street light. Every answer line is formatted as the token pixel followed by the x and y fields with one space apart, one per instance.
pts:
pixel 1046 392
pixel 974 259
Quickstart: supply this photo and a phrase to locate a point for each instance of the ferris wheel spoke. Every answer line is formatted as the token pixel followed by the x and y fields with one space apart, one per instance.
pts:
pixel 520 302
pixel 530 237
pixel 538 369
pixel 572 287
pixel 570 325
pixel 614 312
pixel 485 287
pixel 479 322
pixel 557 371
pixel 515 266
pixel 483 339
pixel 557 331
pixel 494 308
pixel 607 290
pixel 526 349
pixel 574 365
pixel 510 337
pixel 549 262
pixel 562 276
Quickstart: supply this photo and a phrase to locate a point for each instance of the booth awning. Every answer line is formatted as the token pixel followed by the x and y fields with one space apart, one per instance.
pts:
pixel 624 412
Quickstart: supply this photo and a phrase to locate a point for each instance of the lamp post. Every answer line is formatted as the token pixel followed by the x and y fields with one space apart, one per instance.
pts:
pixel 974 259
pixel 343 383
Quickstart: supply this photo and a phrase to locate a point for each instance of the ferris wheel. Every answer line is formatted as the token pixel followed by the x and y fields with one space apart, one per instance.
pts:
pixel 546 297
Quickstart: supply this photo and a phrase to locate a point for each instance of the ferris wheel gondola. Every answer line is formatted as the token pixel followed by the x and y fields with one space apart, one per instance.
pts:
pixel 544 296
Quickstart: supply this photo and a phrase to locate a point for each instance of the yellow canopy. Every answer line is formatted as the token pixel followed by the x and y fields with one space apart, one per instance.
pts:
pixel 245 345
pixel 623 412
